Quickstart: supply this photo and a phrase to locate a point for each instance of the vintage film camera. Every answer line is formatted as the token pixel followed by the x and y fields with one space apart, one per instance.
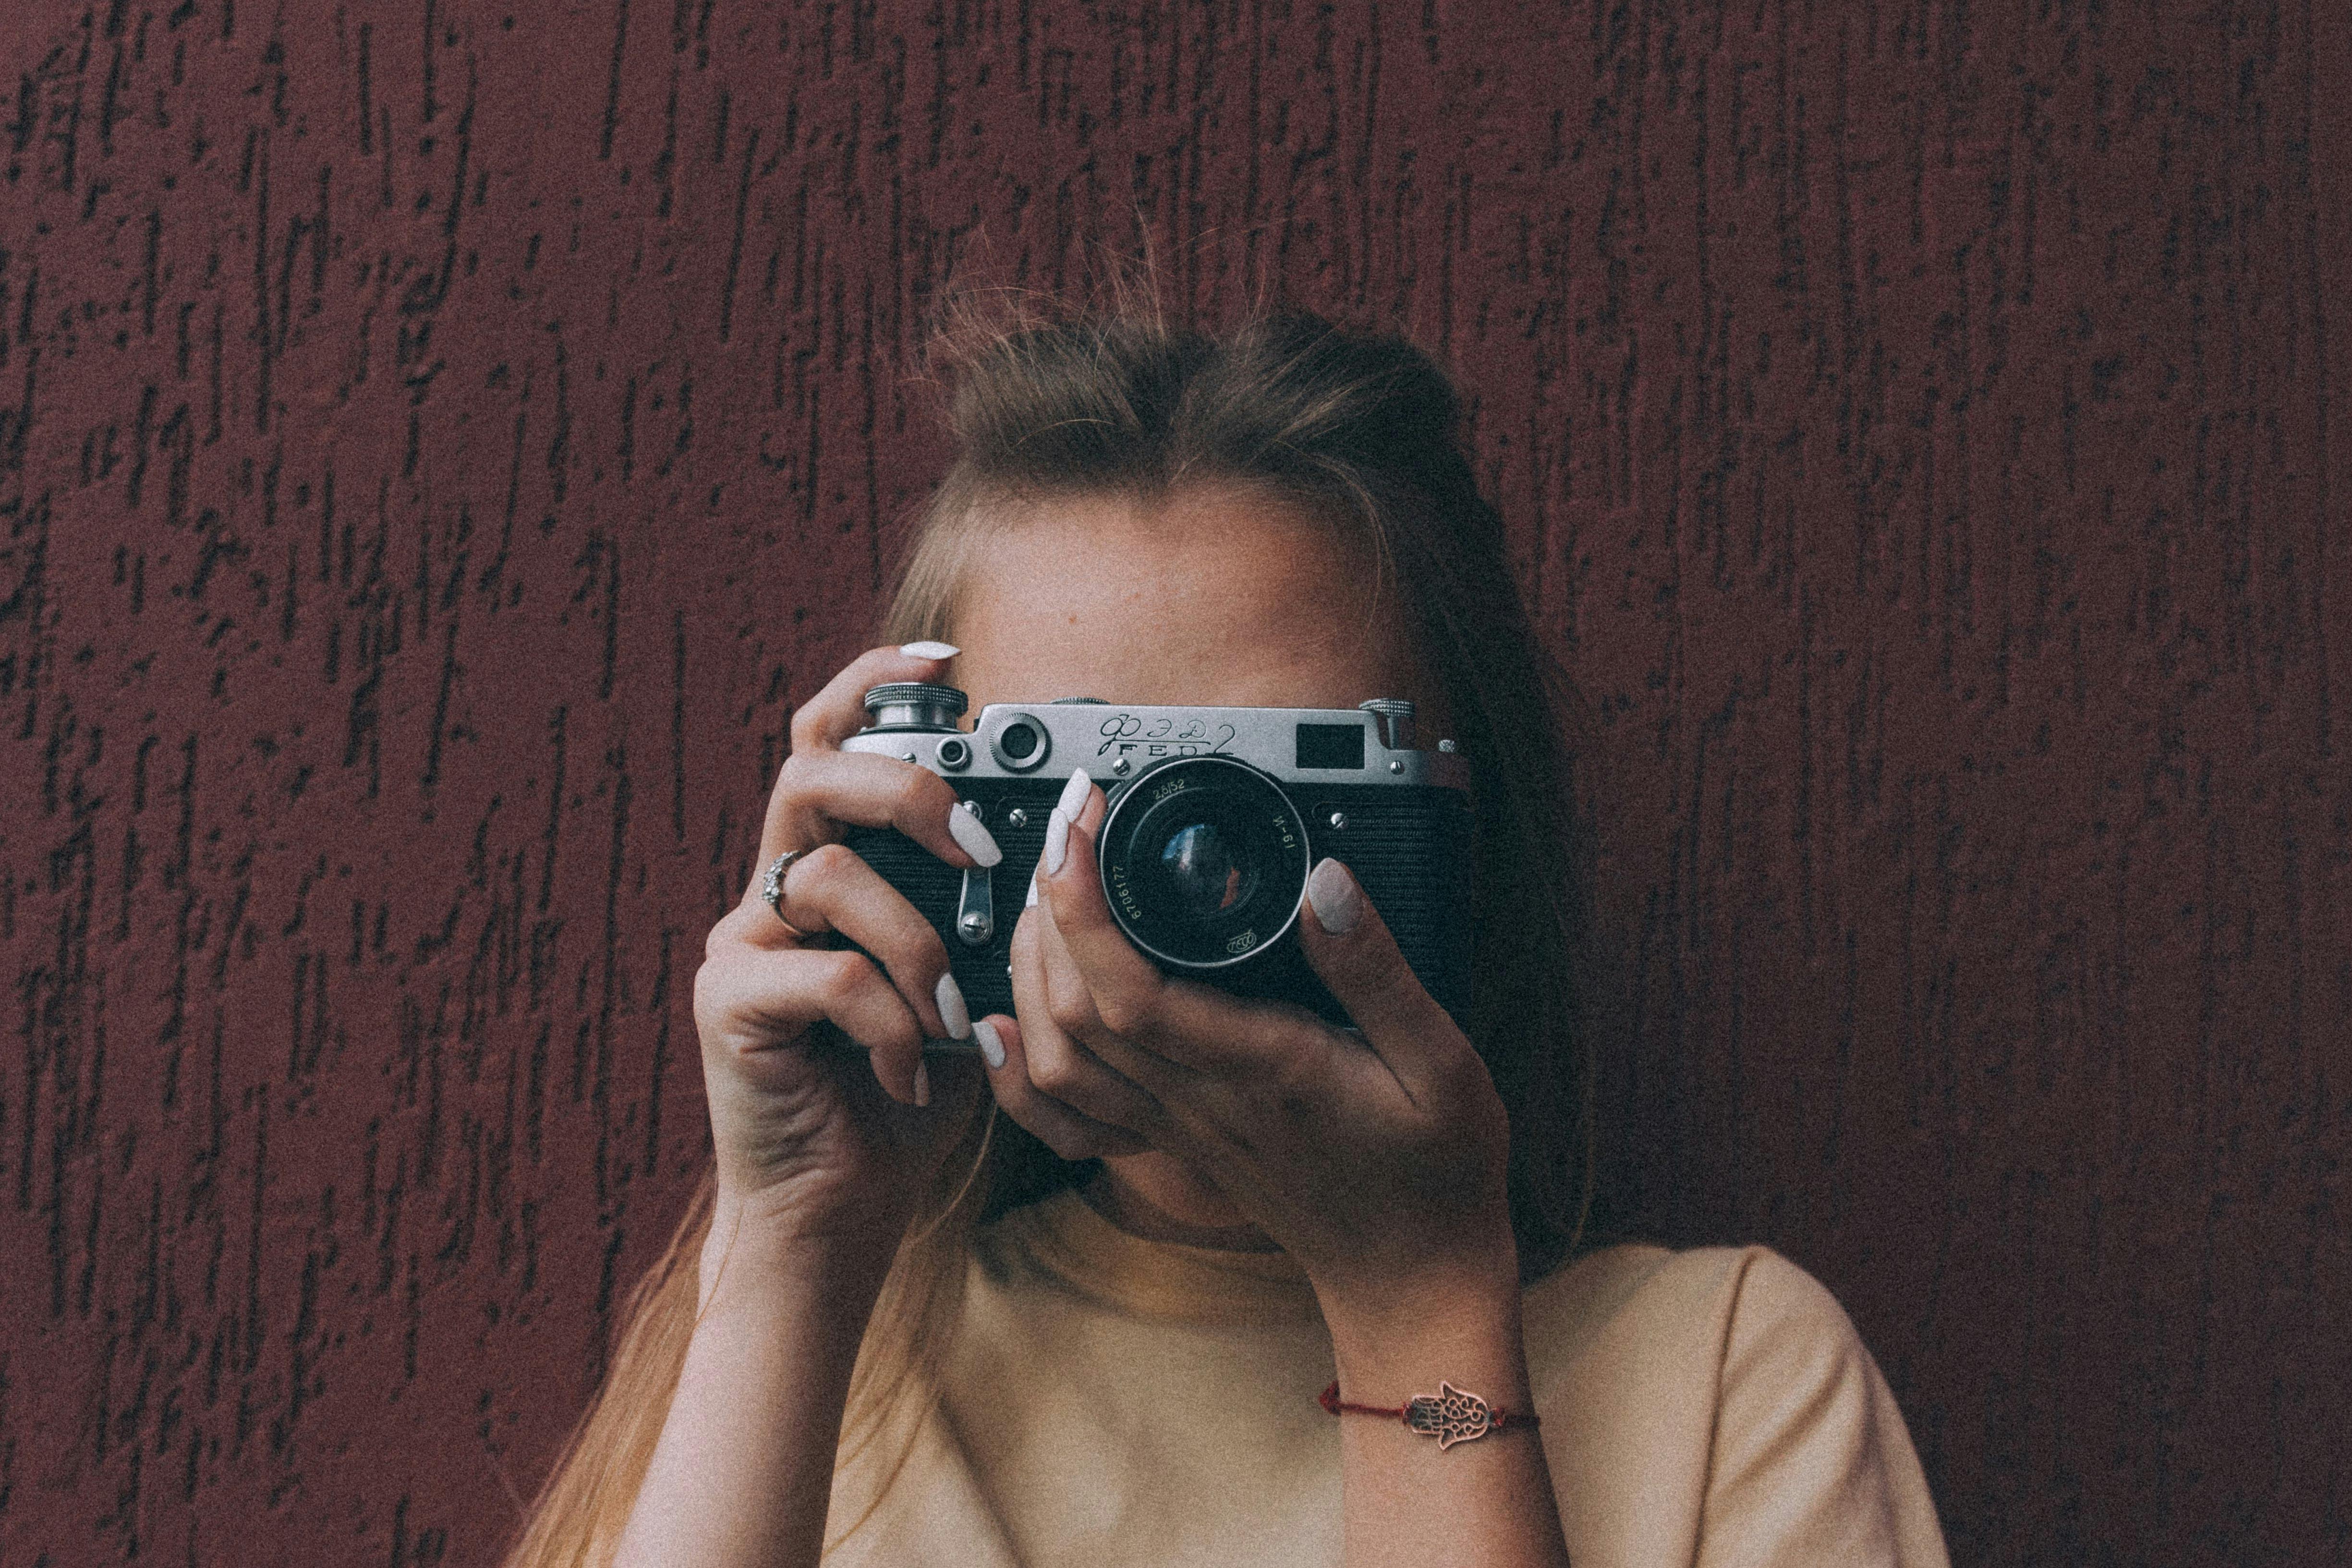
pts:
pixel 1216 816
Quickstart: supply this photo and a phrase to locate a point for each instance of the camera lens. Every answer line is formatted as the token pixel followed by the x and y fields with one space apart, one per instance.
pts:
pixel 1204 861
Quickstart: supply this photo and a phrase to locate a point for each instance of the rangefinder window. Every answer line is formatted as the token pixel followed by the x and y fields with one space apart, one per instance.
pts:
pixel 1330 745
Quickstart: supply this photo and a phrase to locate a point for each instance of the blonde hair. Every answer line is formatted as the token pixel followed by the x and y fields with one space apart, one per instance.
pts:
pixel 1050 400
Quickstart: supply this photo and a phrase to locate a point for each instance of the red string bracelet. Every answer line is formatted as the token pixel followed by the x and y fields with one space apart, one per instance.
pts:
pixel 1451 1415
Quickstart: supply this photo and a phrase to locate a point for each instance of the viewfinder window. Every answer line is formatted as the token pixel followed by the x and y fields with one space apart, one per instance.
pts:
pixel 1330 745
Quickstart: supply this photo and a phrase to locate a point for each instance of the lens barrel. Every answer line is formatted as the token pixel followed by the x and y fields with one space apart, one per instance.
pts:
pixel 1204 862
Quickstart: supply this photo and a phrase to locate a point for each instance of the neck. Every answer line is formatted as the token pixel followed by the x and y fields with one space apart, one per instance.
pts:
pixel 1160 1198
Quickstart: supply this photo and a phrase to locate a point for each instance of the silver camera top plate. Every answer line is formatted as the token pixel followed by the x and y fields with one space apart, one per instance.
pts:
pixel 1113 742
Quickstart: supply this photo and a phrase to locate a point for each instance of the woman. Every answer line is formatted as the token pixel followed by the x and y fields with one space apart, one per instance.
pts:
pixel 896 1329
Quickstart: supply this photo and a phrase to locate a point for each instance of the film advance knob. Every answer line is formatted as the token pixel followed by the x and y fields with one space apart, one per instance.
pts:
pixel 913 705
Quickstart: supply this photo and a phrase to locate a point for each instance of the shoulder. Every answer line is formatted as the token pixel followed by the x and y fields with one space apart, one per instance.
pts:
pixel 1743 1303
pixel 1731 1386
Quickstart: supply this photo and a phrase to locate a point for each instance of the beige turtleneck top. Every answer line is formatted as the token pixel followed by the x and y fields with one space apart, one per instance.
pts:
pixel 1112 1401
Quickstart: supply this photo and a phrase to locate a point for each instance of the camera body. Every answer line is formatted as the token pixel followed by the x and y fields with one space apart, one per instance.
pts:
pixel 1215 817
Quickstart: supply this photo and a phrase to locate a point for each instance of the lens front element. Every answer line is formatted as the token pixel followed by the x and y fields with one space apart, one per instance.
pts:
pixel 1204 861
pixel 1205 870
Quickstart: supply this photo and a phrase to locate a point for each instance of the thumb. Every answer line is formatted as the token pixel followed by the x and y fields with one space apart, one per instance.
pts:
pixel 1349 946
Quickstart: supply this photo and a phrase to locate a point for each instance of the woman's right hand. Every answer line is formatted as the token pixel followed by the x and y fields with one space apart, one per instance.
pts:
pixel 814 1143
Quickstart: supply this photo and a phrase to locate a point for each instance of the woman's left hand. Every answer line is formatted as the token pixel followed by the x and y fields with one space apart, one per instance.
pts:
pixel 1376 1159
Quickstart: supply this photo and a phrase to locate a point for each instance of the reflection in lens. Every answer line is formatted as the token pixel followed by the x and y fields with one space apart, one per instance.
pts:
pixel 1203 870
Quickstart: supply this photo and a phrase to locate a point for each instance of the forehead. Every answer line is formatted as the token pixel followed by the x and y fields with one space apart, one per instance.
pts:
pixel 1203 596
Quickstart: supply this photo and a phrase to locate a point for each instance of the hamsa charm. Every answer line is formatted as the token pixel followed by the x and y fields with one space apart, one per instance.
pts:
pixel 1451 1415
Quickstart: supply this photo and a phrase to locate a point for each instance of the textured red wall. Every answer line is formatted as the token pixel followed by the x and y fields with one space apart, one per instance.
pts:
pixel 439 442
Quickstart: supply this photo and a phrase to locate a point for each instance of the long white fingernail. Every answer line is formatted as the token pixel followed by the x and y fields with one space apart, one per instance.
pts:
pixel 952 1012
pixel 922 1083
pixel 1058 840
pixel 1074 794
pixel 1031 901
pixel 973 835
pixel 1334 897
pixel 991 1048
pixel 928 650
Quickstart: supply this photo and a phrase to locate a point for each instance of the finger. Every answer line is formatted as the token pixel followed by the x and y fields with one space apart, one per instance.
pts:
pixel 769 997
pixel 817 790
pixel 830 889
pixel 1349 946
pixel 750 922
pixel 1071 1134
pixel 837 713
pixel 1051 999
pixel 1093 806
pixel 1187 1023
pixel 1080 803
pixel 1071 892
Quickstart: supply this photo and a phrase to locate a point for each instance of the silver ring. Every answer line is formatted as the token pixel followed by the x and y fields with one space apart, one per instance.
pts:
pixel 772 887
